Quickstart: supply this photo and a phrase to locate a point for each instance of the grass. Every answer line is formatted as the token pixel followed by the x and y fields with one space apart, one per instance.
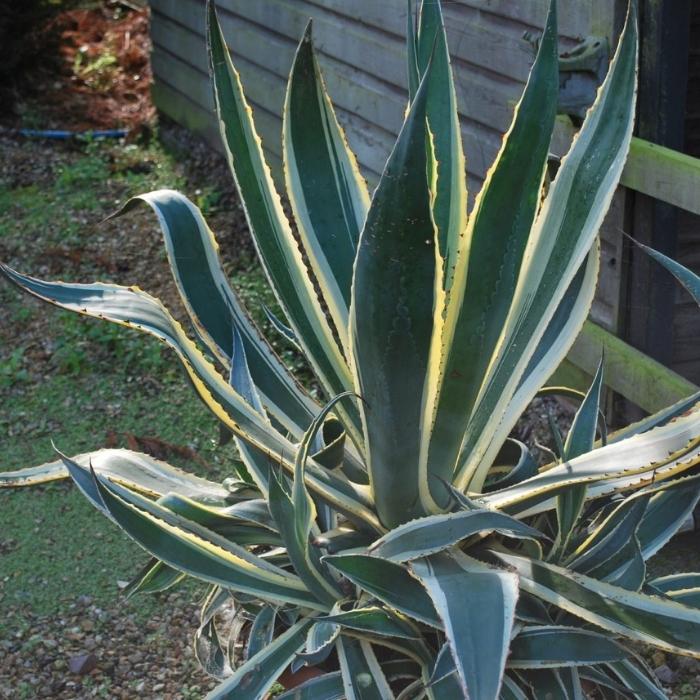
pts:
pixel 100 380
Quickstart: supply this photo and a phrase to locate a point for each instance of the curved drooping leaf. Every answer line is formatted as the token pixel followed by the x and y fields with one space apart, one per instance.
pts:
pixel 633 678
pixel 664 515
pixel 251 510
pixel 215 309
pixel 391 320
pixel 218 520
pixel 390 583
pixel 317 159
pixel 497 233
pixel 662 417
pixel 363 678
pixel 262 631
pixel 683 588
pixel 476 604
pixel 649 457
pixel 662 623
pixel 375 620
pixel 137 470
pixel 142 473
pixel 209 648
pixel 134 308
pixel 561 238
pixel 320 642
pixel 676 582
pixel 556 646
pixel 273 237
pixel 296 517
pixel 605 541
pixel 305 559
pixel 199 552
pixel 33 476
pixel 341 539
pixel 155 577
pixel 257 675
pixel 329 686
pixel 520 463
pixel 434 533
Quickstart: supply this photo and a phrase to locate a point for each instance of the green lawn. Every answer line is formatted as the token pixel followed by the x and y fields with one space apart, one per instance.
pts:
pixel 80 383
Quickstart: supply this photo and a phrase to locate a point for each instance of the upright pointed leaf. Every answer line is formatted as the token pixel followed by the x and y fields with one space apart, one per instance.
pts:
pixel 497 235
pixel 562 236
pixel 272 234
pixel 579 441
pixel 392 320
pixel 686 277
pixel 328 195
pixel 581 437
pixel 412 75
pixel 450 203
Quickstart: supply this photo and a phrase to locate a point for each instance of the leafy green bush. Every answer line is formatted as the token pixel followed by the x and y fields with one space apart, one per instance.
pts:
pixel 396 538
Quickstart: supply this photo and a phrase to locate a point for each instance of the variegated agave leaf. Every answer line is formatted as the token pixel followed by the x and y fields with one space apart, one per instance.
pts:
pixel 390 533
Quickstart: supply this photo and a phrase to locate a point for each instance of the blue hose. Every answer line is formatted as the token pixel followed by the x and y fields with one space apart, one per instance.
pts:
pixel 64 134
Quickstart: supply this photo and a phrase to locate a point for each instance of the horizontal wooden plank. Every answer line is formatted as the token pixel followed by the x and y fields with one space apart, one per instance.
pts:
pixel 351 90
pixel 637 377
pixel 482 99
pixel 264 91
pixel 183 110
pixel 576 18
pixel 190 82
pixel 665 174
pixel 360 106
pixel 381 54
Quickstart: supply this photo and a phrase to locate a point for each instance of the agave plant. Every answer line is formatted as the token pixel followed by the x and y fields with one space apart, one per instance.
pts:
pixel 396 538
